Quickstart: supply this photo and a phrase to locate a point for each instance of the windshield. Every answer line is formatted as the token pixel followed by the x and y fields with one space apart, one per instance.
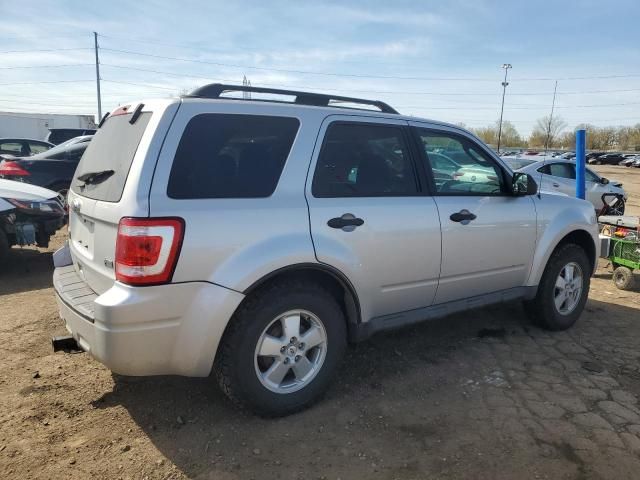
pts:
pixel 112 148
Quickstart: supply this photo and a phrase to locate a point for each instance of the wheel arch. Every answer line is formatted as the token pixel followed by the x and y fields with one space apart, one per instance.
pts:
pixel 329 277
pixel 577 236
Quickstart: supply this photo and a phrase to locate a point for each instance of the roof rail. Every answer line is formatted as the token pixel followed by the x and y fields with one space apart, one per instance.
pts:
pixel 214 90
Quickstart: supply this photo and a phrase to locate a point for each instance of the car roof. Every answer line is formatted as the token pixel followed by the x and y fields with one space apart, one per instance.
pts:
pixel 14 139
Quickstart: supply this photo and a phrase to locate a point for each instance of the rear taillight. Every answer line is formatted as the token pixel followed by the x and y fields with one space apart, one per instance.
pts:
pixel 10 168
pixel 147 249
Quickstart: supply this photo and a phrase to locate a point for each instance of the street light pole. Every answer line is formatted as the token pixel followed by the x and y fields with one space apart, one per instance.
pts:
pixel 506 67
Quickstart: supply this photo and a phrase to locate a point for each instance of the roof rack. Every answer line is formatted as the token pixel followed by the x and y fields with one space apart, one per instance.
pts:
pixel 214 90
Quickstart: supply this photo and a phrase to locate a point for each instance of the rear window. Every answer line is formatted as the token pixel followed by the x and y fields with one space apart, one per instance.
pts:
pixel 112 148
pixel 231 156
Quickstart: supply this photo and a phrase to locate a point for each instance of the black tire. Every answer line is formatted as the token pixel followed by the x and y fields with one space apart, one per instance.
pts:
pixel 542 308
pixel 4 248
pixel 235 366
pixel 62 189
pixel 619 209
pixel 623 278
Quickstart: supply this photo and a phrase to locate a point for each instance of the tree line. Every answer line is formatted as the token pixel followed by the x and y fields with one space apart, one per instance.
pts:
pixel 552 133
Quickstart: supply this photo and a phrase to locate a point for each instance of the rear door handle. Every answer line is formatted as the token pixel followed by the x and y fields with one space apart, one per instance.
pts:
pixel 463 216
pixel 556 184
pixel 347 222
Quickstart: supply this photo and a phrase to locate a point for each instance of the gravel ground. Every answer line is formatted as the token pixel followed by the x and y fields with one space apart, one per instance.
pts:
pixel 479 395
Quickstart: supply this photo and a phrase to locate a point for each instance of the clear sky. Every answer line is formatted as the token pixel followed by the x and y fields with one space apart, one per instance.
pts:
pixel 434 59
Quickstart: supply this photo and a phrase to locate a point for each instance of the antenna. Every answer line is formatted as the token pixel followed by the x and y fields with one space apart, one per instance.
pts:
pixel 546 142
pixel 553 104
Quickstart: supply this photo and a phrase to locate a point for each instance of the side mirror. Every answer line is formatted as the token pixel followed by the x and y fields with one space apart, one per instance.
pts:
pixel 523 184
pixel 604 181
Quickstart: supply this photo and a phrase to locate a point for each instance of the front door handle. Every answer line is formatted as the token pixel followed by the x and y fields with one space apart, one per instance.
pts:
pixel 347 222
pixel 556 184
pixel 463 216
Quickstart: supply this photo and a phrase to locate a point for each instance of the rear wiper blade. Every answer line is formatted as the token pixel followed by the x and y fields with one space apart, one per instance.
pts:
pixel 93 178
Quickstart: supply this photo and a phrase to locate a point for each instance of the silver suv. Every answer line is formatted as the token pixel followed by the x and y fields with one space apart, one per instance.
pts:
pixel 253 238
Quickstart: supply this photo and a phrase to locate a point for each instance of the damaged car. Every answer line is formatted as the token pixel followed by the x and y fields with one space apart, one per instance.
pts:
pixel 29 215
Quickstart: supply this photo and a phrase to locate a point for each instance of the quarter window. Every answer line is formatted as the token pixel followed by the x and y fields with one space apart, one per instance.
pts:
pixel 231 156
pixel 458 166
pixel 364 160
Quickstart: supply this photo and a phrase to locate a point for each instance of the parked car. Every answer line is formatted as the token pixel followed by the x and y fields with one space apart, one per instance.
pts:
pixel 568 155
pixel 592 155
pixel 61 135
pixel 445 169
pixel 636 163
pixel 255 238
pixel 22 147
pixel 28 215
pixel 629 160
pixel 52 169
pixel 607 159
pixel 516 163
pixel 560 175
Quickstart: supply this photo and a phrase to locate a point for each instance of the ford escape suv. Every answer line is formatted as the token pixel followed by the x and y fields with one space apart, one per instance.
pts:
pixel 252 239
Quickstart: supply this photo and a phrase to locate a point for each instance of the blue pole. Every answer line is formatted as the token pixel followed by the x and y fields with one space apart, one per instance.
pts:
pixel 581 136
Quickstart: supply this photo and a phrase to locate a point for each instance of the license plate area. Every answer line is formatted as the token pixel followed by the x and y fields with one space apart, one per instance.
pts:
pixel 82 234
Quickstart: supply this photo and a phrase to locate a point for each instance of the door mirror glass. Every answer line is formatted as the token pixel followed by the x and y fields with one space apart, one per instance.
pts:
pixel 523 184
pixel 604 181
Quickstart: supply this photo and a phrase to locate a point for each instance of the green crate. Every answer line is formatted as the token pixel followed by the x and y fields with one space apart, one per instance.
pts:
pixel 625 253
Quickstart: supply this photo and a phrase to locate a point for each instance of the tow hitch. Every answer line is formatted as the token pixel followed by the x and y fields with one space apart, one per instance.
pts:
pixel 65 344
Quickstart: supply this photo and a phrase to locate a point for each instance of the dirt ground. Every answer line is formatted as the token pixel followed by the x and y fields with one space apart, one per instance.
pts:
pixel 483 395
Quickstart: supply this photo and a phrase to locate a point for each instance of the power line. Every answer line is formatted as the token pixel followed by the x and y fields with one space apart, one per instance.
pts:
pixel 300 72
pixel 387 92
pixel 47 66
pixel 140 85
pixel 47 50
pixel 48 81
pixel 483 79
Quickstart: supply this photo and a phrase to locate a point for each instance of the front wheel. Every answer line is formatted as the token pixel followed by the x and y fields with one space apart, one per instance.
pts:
pixel 563 290
pixel 282 348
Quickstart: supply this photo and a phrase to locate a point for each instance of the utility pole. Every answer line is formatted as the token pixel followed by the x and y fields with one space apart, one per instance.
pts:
pixel 506 67
pixel 95 42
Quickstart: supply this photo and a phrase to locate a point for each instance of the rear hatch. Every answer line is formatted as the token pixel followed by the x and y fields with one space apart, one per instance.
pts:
pixel 111 182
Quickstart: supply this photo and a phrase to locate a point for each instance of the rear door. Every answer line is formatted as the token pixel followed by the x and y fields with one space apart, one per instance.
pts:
pixel 559 177
pixel 371 217
pixel 488 235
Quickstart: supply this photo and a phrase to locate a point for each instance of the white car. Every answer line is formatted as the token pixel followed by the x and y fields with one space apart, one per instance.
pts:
pixel 28 215
pixel 560 175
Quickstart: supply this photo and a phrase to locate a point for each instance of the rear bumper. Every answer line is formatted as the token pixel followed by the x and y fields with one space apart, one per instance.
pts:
pixel 169 329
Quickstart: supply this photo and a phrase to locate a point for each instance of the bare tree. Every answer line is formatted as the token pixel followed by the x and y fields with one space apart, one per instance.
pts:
pixel 510 136
pixel 546 131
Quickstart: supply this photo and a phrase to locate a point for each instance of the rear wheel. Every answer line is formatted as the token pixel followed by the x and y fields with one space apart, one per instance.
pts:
pixel 282 348
pixel 63 191
pixel 623 278
pixel 563 289
pixel 617 208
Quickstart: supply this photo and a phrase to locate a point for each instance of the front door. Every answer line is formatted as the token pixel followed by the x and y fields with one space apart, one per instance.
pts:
pixel 488 235
pixel 370 217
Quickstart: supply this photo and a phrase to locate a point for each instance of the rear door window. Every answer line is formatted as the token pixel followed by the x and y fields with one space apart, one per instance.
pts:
pixel 112 148
pixel 231 156
pixel 562 170
pixel 364 160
